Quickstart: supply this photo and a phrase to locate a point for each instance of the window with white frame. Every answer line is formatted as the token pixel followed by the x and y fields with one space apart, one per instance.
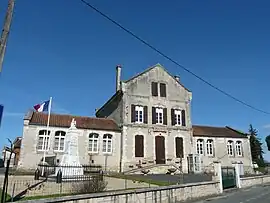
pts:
pixel 230 148
pixel 59 140
pixel 178 115
pixel 107 143
pixel 238 148
pixel 209 148
pixel 139 114
pixel 159 115
pixel 200 146
pixel 43 140
pixel 93 143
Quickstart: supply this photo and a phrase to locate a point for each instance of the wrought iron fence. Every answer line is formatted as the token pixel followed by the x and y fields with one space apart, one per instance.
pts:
pixel 68 172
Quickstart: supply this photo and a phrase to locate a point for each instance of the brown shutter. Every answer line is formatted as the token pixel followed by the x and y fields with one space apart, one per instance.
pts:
pixel 179 147
pixel 132 113
pixel 172 117
pixel 165 116
pixel 162 87
pixel 139 146
pixel 154 86
pixel 154 115
pixel 145 114
pixel 183 112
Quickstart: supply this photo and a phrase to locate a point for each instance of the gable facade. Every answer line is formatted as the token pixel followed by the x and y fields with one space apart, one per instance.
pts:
pixel 154 111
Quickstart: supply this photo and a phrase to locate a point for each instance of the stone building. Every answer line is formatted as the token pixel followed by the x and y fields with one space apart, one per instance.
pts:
pixel 99 140
pixel 149 123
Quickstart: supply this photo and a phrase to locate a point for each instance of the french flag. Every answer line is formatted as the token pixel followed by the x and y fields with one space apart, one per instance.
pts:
pixel 42 107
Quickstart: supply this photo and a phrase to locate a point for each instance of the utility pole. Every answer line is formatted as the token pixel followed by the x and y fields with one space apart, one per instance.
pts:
pixel 5 31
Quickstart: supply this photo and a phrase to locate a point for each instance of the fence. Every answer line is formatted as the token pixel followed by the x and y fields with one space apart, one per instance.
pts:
pixel 68 172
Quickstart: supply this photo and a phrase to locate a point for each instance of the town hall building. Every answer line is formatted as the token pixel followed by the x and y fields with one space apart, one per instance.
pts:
pixel 146 123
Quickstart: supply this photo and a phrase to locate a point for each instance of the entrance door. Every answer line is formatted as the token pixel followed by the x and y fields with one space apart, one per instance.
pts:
pixel 228 177
pixel 160 150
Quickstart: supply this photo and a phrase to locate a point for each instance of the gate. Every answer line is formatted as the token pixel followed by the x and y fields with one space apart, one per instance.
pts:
pixel 228 177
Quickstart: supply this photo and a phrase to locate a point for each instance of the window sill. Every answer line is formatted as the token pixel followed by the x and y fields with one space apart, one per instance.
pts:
pixel 107 153
pixel 59 151
pixel 93 153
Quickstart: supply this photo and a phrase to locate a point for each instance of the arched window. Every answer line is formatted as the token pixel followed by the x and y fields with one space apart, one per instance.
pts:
pixel 179 147
pixel 43 140
pixel 209 148
pixel 107 143
pixel 230 148
pixel 139 146
pixel 238 148
pixel 200 147
pixel 59 140
pixel 93 143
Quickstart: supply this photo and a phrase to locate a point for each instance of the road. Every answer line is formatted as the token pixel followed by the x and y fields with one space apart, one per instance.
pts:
pixel 2 170
pixel 259 194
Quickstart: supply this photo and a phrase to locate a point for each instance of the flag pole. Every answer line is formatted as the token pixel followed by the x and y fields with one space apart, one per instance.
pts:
pixel 47 135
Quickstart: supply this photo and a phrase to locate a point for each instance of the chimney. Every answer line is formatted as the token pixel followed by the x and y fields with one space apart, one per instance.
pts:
pixel 177 78
pixel 118 77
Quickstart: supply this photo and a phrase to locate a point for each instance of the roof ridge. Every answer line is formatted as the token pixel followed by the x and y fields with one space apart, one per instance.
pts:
pixel 70 115
pixel 208 126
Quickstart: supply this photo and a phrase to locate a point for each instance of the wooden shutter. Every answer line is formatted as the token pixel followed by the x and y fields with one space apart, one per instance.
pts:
pixel 172 117
pixel 154 121
pixel 165 116
pixel 154 86
pixel 183 112
pixel 145 114
pixel 162 87
pixel 139 146
pixel 179 147
pixel 132 113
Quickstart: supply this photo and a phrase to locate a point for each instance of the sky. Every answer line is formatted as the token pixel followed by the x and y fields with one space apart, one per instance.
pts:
pixel 65 50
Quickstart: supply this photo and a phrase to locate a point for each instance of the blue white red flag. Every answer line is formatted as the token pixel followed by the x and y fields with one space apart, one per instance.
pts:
pixel 42 107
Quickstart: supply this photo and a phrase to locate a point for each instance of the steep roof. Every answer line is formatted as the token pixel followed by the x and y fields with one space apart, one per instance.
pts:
pixel 152 67
pixel 210 131
pixel 61 120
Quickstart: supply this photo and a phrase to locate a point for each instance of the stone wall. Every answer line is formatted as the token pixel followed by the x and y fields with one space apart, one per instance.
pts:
pixel 160 194
pixel 254 180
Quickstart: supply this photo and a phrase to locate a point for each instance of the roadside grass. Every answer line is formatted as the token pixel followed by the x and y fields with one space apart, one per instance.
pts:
pixel 7 195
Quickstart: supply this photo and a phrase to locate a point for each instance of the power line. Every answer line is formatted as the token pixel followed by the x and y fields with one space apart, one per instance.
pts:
pixel 172 60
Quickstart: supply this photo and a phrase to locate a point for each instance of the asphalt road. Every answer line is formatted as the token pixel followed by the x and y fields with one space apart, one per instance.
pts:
pixel 2 170
pixel 259 194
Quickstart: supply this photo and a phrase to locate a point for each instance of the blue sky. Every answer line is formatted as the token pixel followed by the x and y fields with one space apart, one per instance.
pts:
pixel 65 50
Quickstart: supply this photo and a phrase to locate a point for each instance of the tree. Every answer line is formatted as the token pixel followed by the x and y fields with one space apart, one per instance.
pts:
pixel 267 140
pixel 256 147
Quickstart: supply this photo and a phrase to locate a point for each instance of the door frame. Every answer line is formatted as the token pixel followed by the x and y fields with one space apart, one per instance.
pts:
pixel 160 138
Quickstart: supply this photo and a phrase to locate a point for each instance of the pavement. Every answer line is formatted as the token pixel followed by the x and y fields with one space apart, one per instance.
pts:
pixel 257 194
